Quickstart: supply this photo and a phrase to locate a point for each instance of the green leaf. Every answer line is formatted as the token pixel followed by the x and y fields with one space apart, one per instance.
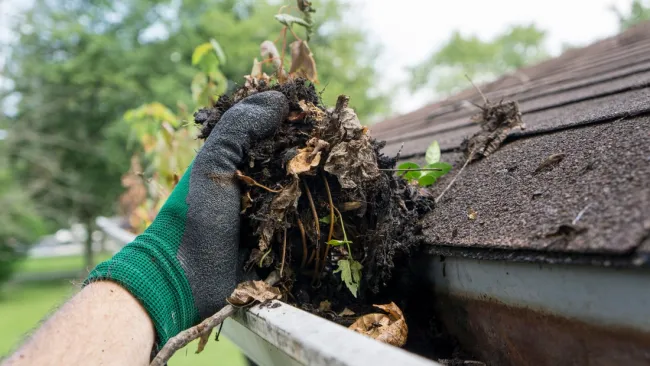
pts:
pixel 336 243
pixel 426 180
pixel 433 153
pixel 200 51
pixel 288 20
pixel 221 56
pixel 444 169
pixel 350 274
pixel 409 175
pixel 326 219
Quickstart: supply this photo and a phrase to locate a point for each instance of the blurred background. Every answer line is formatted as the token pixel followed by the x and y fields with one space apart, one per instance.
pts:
pixel 97 97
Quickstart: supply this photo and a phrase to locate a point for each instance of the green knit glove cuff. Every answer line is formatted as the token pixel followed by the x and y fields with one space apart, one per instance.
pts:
pixel 150 270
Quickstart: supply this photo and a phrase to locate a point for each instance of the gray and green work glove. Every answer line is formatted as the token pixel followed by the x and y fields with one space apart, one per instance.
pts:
pixel 185 264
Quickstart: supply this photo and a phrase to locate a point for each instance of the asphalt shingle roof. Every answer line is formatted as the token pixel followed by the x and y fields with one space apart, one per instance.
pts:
pixel 592 105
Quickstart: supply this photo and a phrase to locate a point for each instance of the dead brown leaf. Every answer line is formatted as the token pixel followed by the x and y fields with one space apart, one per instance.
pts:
pixel 246 202
pixel 301 162
pixel 388 328
pixel 353 172
pixel 248 292
pixel 302 61
pixel 346 312
pixel 496 121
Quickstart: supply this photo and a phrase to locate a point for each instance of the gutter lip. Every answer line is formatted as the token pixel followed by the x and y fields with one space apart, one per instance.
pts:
pixel 635 259
pixel 593 295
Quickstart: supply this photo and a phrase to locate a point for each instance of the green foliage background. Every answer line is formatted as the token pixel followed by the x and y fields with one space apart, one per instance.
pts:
pixel 79 65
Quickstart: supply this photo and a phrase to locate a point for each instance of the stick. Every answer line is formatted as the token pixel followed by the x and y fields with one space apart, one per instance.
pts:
pixel 183 338
pixel 455 177
pixel 485 100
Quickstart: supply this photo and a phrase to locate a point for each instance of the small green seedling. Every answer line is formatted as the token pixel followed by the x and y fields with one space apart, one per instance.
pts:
pixel 428 174
pixel 349 268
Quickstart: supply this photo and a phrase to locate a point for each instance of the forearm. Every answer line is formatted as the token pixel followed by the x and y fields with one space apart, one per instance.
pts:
pixel 101 325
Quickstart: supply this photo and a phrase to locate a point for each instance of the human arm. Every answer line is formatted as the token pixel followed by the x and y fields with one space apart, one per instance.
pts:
pixel 103 324
pixel 185 264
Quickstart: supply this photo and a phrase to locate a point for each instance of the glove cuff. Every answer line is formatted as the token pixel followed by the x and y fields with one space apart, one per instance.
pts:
pixel 156 280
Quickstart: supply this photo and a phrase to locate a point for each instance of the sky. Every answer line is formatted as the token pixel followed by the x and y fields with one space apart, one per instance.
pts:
pixel 410 30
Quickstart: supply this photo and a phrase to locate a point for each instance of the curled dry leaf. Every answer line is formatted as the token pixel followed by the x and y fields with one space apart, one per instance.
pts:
pixel 388 328
pixel 248 292
pixel 307 158
pixel 496 121
pixel 302 61
pixel 286 199
pixel 301 162
pixel 269 51
pixel 353 172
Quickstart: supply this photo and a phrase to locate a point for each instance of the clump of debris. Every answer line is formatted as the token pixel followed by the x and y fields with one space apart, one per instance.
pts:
pixel 321 203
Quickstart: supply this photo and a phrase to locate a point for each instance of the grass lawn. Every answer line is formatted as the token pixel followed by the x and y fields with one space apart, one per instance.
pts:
pixel 23 306
pixel 57 264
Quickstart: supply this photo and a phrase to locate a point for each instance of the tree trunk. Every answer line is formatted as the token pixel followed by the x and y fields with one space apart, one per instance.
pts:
pixel 88 248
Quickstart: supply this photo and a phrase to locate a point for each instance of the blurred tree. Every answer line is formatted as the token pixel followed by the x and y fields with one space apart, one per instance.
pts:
pixel 78 65
pixel 483 61
pixel 20 223
pixel 639 12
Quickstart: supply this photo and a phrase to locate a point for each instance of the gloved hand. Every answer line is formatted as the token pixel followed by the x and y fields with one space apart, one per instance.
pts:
pixel 184 265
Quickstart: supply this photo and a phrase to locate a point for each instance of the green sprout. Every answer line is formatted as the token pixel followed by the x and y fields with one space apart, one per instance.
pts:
pixel 428 174
pixel 349 268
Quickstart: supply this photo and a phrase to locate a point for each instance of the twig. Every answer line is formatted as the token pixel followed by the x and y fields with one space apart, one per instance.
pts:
pixel 332 219
pixel 485 100
pixel 183 338
pixel 413 170
pixel 250 181
pixel 579 216
pixel 284 251
pixel 455 177
pixel 304 243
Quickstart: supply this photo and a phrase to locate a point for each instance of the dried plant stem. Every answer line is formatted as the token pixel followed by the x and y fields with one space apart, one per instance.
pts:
pixel 332 219
pixel 455 177
pixel 183 338
pixel 413 170
pixel 304 243
pixel 252 182
pixel 284 251
pixel 313 208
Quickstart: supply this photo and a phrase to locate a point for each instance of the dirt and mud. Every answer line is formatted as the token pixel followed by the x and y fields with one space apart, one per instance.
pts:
pixel 323 205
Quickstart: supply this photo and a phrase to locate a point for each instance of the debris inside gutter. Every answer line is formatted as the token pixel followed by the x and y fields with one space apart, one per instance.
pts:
pixel 324 206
